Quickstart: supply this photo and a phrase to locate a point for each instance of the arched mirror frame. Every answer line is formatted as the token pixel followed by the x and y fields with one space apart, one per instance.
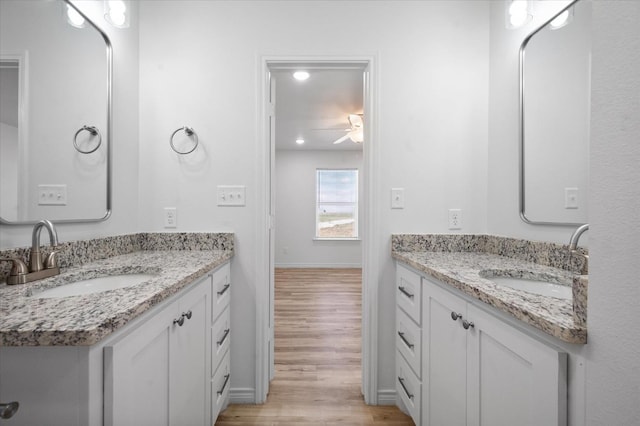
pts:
pixel 521 117
pixel 106 140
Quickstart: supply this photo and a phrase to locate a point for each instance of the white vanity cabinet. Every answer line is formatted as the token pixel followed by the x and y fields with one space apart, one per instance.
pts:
pixel 475 368
pixel 156 375
pixel 409 341
pixel 163 368
pixel 484 372
pixel 220 379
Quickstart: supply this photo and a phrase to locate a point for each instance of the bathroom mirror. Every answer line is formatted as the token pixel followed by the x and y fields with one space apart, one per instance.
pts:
pixel 55 114
pixel 555 75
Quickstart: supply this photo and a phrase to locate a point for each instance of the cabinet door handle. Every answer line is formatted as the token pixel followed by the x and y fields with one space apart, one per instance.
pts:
pixel 405 292
pixel 179 321
pixel 189 314
pixel 224 289
pixel 224 385
pixel 404 339
pixel 455 316
pixel 467 324
pixel 401 380
pixel 224 337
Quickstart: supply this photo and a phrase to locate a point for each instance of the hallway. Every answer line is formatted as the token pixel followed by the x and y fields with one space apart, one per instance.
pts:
pixel 317 356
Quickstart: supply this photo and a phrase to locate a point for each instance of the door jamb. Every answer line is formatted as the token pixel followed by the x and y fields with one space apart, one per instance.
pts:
pixel 370 241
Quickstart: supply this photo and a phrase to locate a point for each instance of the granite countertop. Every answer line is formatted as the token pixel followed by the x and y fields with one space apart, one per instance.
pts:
pixel 87 319
pixel 462 270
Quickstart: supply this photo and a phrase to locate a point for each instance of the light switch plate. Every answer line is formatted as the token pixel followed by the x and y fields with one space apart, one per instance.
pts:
pixel 571 198
pixel 231 195
pixel 397 198
pixel 170 217
pixel 52 195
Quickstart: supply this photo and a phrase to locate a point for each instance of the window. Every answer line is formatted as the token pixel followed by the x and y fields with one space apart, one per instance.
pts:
pixel 336 203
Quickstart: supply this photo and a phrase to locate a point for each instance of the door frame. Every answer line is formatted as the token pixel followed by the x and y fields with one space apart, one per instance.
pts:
pixel 370 238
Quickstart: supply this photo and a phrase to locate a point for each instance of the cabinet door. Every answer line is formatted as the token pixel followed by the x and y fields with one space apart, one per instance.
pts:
pixel 136 388
pixel 512 378
pixel 444 358
pixel 188 380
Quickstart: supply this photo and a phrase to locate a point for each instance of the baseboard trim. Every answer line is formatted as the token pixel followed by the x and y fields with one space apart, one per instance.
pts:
pixel 242 396
pixel 318 265
pixel 387 397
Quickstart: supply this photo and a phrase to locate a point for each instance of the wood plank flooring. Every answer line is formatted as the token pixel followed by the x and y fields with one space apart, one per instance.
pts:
pixel 317 356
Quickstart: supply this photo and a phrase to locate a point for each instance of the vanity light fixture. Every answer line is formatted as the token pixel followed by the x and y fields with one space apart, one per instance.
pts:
pixel 116 13
pixel 299 141
pixel 74 18
pixel 301 75
pixel 562 20
pixel 518 13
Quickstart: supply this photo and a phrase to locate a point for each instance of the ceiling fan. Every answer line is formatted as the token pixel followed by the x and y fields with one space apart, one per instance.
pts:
pixel 356 132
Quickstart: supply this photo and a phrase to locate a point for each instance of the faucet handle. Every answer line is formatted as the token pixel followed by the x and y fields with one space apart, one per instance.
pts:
pixel 18 267
pixel 52 259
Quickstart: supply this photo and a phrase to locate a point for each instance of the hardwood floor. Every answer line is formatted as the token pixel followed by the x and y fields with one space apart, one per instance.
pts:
pixel 317 356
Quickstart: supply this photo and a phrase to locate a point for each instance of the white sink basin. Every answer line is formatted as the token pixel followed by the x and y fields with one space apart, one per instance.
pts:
pixel 542 288
pixel 94 285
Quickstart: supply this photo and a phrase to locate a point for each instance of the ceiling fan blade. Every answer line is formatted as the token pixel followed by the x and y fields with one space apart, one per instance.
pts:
pixel 342 139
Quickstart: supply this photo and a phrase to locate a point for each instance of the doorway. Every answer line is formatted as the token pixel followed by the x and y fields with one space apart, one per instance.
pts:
pixel 325 129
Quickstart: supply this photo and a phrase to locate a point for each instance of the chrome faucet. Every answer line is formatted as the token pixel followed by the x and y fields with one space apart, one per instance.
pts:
pixel 573 245
pixel 35 259
pixel 573 242
pixel 38 268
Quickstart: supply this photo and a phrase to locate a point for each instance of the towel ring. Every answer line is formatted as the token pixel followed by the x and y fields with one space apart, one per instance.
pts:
pixel 189 132
pixel 91 129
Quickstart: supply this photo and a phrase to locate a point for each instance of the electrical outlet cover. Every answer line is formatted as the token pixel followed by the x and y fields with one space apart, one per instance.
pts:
pixel 455 218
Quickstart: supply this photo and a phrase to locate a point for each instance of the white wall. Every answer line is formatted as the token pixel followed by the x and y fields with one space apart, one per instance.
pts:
pixel 296 210
pixel 200 66
pixel 125 141
pixel 613 362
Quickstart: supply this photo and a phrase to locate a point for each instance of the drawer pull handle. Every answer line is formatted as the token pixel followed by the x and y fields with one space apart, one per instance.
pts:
pixel 224 289
pixel 224 337
pixel 405 292
pixel 401 380
pixel 455 316
pixel 467 324
pixel 404 339
pixel 179 321
pixel 189 314
pixel 224 385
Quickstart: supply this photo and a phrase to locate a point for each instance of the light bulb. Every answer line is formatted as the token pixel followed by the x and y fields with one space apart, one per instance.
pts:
pixel 299 141
pixel 74 18
pixel 560 20
pixel 301 75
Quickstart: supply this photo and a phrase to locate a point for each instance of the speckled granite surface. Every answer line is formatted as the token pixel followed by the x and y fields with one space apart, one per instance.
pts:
pixel 176 260
pixel 466 262
pixel 74 253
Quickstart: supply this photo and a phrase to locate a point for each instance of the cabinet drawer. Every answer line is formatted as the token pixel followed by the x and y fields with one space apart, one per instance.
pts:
pixel 409 341
pixel 221 290
pixel 220 385
pixel 408 292
pixel 220 338
pixel 408 388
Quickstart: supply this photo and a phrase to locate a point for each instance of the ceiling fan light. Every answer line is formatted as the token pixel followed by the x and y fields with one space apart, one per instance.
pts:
pixel 301 75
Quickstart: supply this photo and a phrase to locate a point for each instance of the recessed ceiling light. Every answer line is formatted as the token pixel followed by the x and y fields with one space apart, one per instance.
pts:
pixel 300 141
pixel 301 75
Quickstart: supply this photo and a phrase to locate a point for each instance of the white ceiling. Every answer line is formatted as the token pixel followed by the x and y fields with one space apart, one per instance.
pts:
pixel 317 109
